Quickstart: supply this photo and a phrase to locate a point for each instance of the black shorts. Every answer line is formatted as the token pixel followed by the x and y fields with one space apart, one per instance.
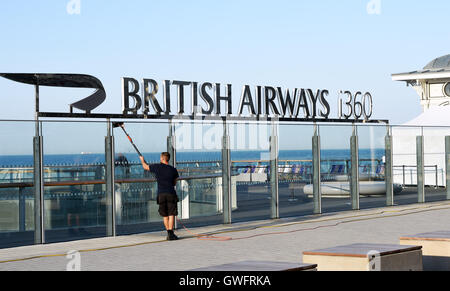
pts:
pixel 167 204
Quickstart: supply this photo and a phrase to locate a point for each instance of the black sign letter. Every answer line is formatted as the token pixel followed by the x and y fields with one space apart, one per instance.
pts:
pixel 127 94
pixel 149 96
pixel 247 100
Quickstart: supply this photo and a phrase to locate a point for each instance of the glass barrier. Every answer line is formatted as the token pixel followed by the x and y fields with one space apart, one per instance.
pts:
pixel 74 177
pixel 405 164
pixel 295 169
pixel 335 167
pixel 250 155
pixel 372 158
pixel 199 161
pixel 199 189
pixel 434 167
pixel 75 201
pixel 16 184
pixel 200 201
pixel 136 189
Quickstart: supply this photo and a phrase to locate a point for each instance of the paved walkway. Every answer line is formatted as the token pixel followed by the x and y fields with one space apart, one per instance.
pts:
pixel 281 240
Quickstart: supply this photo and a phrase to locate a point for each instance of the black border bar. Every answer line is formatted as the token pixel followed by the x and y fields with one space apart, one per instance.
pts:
pixel 202 117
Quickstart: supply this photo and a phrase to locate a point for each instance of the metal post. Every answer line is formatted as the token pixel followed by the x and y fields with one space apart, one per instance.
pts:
pixel 110 184
pixel 447 165
pixel 354 177
pixel 39 230
pixel 275 214
pixel 420 169
pixel 317 193
pixel 171 145
pixel 389 170
pixel 173 160
pixel 38 177
pixel 436 176
pixel 226 175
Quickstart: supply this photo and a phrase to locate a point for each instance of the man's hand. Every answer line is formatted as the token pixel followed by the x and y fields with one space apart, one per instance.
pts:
pixel 144 164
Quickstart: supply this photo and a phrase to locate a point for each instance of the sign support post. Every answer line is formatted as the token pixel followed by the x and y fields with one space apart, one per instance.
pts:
pixel 354 177
pixel 110 183
pixel 226 175
pixel 39 228
pixel 275 212
pixel 389 169
pixel 317 192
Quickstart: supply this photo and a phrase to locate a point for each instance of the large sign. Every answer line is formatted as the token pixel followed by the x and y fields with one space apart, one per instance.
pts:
pixel 199 100
pixel 216 99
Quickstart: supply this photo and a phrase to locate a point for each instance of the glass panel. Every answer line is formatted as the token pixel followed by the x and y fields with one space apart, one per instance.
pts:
pixel 405 164
pixel 136 189
pixel 434 140
pixel 295 169
pixel 372 155
pixel 16 184
pixel 250 155
pixel 199 162
pixel 335 167
pixel 74 177
pixel 201 201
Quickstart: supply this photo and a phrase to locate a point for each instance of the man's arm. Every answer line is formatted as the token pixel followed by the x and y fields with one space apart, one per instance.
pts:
pixel 144 164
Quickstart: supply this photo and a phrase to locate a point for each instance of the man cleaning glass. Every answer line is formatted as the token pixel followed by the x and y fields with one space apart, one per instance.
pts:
pixel 167 199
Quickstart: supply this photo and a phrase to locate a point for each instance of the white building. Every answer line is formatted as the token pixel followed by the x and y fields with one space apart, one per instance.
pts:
pixel 432 84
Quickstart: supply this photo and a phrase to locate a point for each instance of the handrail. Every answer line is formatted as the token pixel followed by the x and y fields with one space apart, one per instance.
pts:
pixel 404 167
pixel 414 166
pixel 100 182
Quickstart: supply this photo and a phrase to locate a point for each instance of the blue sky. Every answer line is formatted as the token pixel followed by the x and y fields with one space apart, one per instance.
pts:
pixel 306 44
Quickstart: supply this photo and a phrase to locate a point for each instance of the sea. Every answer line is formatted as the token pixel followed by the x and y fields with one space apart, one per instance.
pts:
pixel 8 161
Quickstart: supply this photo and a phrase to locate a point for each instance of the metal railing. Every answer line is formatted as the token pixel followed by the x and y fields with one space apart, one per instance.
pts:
pixel 413 173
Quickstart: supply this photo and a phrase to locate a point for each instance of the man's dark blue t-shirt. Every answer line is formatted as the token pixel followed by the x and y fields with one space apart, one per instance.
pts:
pixel 165 176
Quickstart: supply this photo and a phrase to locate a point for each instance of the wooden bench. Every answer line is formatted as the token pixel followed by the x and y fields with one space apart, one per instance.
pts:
pixel 435 248
pixel 260 266
pixel 366 257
